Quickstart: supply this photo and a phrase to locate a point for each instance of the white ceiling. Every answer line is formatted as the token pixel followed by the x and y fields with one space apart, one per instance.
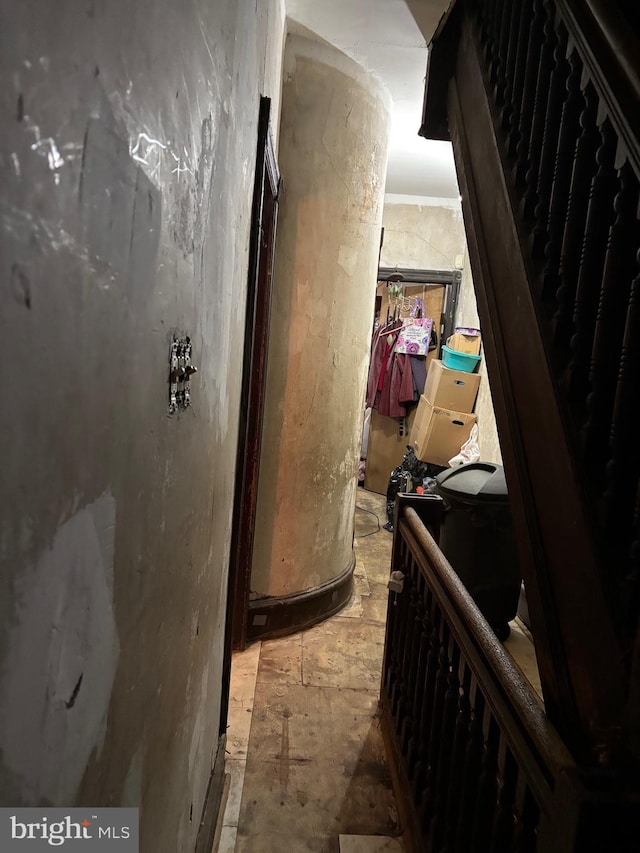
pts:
pixel 383 37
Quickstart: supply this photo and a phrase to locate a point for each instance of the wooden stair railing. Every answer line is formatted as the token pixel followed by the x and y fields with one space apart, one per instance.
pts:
pixel 478 765
pixel 541 99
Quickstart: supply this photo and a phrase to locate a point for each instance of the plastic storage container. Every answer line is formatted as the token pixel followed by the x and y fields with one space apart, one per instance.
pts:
pixel 459 360
pixel 476 537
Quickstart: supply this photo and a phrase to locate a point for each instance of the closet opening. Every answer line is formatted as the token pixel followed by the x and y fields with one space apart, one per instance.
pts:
pixel 399 292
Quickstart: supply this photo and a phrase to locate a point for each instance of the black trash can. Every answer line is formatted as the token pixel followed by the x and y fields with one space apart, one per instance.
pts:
pixel 477 539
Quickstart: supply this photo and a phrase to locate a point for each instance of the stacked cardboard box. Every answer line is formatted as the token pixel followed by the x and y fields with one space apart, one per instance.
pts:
pixel 444 418
pixel 465 340
pixel 451 389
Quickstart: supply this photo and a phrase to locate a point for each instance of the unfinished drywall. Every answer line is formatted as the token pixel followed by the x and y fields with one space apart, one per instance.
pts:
pixel 333 138
pixel 127 153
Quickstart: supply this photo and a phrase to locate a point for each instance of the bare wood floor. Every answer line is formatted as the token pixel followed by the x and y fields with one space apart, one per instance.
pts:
pixel 304 748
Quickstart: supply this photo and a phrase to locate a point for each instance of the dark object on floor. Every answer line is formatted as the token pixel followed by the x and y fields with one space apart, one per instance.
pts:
pixel 395 486
pixel 407 477
pixel 477 538
pixel 362 467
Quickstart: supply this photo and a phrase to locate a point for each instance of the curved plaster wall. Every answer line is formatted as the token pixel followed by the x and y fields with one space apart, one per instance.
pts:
pixel 332 156
pixel 127 149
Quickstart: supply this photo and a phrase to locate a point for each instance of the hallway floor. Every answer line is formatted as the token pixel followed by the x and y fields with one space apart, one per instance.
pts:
pixel 305 756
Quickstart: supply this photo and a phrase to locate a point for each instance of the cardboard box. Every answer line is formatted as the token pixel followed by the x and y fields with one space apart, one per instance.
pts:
pixel 466 340
pixel 438 434
pixel 385 450
pixel 451 389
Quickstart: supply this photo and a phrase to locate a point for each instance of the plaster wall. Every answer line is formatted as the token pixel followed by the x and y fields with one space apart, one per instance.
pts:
pixel 333 141
pixel 127 153
pixel 467 315
pixel 422 236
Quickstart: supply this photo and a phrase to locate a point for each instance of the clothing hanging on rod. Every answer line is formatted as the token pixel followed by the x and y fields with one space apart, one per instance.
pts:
pixel 397 378
pixel 390 384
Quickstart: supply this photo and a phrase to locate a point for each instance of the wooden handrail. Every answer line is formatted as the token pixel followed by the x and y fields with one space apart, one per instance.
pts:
pixel 469 738
pixel 493 666
pixel 478 762
pixel 615 33
pixel 513 701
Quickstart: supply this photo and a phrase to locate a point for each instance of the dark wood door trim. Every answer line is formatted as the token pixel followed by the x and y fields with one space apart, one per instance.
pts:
pixel 253 373
pixel 451 279
pixel 256 339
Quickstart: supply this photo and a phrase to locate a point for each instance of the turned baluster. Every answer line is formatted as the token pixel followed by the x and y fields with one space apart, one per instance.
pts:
pixel 526 814
pixel 502 27
pixel 600 215
pixel 623 469
pixel 632 581
pixel 487 786
pixel 539 116
pixel 564 180
pixel 471 771
pixel 413 747
pixel 436 728
pixel 565 243
pixel 502 835
pixel 488 30
pixel 504 98
pixel 619 271
pixel 401 604
pixel 446 744
pixel 414 630
pixel 407 614
pixel 558 145
pixel 519 142
pixel 421 792
pixel 513 107
pixel 418 758
pixel 460 742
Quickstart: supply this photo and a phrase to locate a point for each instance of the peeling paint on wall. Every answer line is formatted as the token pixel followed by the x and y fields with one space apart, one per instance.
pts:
pixel 333 130
pixel 63 652
pixel 420 237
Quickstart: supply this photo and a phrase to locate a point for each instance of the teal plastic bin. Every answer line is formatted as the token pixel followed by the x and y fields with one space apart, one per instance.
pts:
pixel 459 360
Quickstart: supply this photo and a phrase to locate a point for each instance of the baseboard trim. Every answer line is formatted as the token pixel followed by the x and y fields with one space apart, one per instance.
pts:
pixel 277 617
pixel 212 801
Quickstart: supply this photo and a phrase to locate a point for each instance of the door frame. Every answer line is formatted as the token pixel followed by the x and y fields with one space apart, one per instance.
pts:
pixel 452 279
pixel 266 192
pixel 256 339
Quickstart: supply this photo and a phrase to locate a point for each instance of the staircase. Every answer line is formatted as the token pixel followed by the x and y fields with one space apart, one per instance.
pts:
pixel 541 100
